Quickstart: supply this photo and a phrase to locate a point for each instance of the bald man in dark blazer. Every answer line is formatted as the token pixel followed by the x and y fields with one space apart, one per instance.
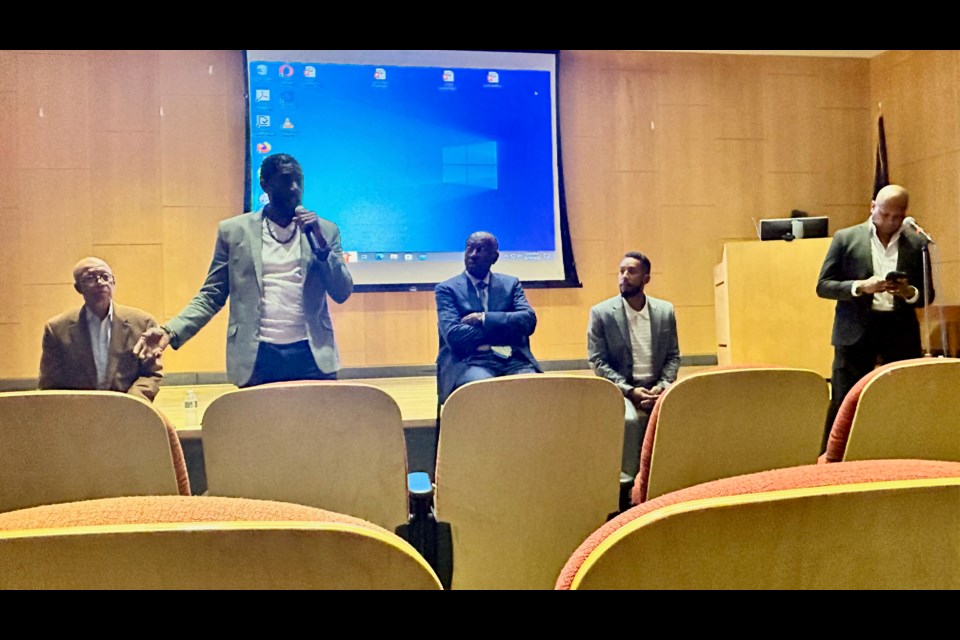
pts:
pixel 875 321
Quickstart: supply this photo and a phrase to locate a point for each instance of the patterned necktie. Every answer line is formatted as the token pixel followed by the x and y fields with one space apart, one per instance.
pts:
pixel 482 293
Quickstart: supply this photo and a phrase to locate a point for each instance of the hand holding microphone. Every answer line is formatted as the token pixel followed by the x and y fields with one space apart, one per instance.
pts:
pixel 309 223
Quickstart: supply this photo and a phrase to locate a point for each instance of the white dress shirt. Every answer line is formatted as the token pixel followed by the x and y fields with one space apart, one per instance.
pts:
pixel 641 344
pixel 884 261
pixel 100 333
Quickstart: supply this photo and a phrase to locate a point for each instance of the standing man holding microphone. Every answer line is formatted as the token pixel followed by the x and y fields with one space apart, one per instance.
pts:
pixel 277 266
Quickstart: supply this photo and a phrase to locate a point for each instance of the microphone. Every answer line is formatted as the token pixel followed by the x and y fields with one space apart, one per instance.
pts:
pixel 309 232
pixel 910 220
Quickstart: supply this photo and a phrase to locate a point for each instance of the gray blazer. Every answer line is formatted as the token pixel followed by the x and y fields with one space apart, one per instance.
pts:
pixel 609 349
pixel 237 272
pixel 849 259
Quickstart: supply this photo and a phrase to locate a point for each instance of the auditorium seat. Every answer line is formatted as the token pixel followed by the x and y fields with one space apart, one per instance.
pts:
pixel 527 466
pixel 728 421
pixel 906 409
pixel 877 524
pixel 331 445
pixel 62 446
pixel 179 542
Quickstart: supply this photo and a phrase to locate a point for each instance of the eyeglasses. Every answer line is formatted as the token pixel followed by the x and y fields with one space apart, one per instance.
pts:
pixel 96 277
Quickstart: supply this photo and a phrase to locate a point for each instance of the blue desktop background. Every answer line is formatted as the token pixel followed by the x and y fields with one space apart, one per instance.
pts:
pixel 404 161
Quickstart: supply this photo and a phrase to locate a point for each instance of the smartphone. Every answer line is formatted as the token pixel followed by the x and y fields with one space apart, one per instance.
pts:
pixel 893 276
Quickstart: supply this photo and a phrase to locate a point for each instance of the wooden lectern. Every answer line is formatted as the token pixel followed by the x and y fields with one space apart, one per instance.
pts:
pixel 767 307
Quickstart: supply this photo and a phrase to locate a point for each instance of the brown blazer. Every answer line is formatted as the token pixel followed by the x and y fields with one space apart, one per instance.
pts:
pixel 67 359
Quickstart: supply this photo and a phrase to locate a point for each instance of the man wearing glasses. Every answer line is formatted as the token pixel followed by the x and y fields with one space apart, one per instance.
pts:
pixel 92 347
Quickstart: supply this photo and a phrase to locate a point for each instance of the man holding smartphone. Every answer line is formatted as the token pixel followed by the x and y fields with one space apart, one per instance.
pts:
pixel 874 270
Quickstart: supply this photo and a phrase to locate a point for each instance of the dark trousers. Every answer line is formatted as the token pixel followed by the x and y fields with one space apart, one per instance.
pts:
pixel 889 337
pixel 286 362
pixel 487 364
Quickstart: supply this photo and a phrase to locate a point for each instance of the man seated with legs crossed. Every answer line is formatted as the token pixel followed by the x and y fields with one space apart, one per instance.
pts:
pixel 632 342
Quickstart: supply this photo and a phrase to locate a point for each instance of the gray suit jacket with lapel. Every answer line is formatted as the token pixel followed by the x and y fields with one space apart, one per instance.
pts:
pixel 609 349
pixel 237 272
pixel 849 259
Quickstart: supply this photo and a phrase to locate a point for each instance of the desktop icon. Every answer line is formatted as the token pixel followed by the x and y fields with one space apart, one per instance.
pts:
pixel 264 147
pixel 493 77
pixel 287 124
pixel 309 71
pixel 286 71
pixel 286 97
pixel 261 69
pixel 263 95
pixel 263 120
pixel 379 74
pixel 447 75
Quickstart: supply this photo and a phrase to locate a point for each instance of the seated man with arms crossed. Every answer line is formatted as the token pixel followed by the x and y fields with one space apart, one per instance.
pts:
pixel 484 320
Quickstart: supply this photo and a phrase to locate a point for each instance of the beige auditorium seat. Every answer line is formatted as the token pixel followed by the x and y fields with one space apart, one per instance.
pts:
pixel 333 445
pixel 729 421
pixel 182 542
pixel 877 524
pixel 61 446
pixel 527 466
pixel 905 409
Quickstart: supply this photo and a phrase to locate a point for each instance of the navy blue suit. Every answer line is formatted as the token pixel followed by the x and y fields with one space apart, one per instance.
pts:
pixel 509 321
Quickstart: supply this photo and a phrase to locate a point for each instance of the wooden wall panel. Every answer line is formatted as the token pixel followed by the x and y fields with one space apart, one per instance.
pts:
pixel 8 73
pixel 58 227
pixel 8 158
pixel 13 364
pixel 53 119
pixel 843 181
pixel 633 109
pixel 633 220
pixel 126 173
pixel 11 266
pixel 694 249
pixel 196 127
pixel 198 73
pixel 127 98
pixel 738 98
pixel 844 83
pixel 687 155
pixel 189 235
pixel 792 122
